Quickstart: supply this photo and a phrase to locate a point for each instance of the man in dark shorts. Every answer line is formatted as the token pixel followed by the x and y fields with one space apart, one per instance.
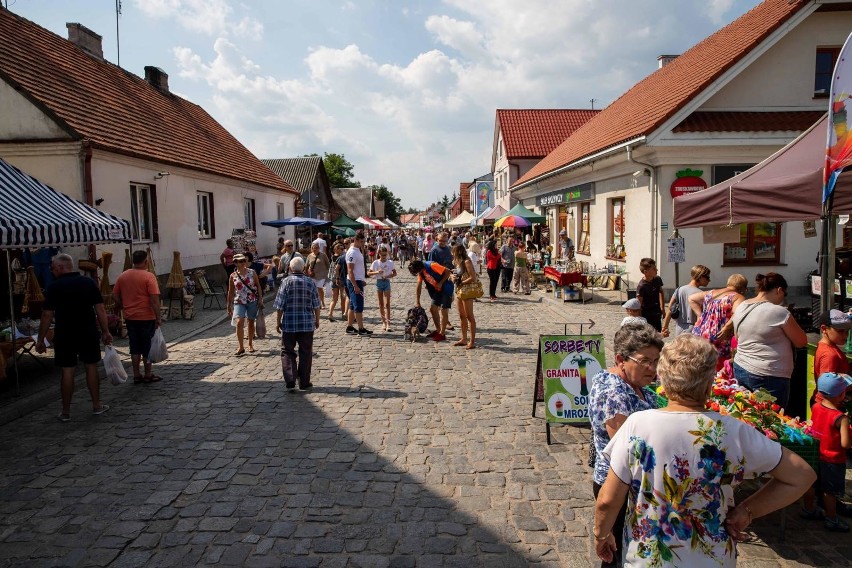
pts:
pixel 75 301
pixel 440 289
pixel 137 292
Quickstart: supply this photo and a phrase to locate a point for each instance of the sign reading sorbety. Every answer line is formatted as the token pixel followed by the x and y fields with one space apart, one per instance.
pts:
pixel 584 192
pixel 568 363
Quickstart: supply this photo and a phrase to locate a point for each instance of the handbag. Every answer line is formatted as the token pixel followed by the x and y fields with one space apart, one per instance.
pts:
pixel 675 309
pixel 260 324
pixel 471 290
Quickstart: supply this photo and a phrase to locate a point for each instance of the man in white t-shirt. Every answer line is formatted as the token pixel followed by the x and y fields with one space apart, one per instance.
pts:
pixel 356 276
pixel 320 241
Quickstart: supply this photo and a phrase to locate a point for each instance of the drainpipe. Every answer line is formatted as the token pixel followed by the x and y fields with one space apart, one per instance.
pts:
pixel 88 194
pixel 652 187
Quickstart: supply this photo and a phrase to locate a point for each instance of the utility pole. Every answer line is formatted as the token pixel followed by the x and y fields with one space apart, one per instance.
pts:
pixel 117 41
pixel 593 103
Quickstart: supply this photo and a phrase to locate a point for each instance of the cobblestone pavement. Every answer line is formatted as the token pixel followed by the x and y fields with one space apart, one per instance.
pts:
pixel 402 455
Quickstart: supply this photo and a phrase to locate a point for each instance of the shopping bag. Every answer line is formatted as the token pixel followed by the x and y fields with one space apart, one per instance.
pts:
pixel 260 324
pixel 113 366
pixel 158 352
pixel 234 319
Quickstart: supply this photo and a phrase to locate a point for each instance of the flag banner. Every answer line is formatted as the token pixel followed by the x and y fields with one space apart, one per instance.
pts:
pixel 838 155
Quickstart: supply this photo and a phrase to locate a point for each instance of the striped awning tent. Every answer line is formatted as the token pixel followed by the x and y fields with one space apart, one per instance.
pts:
pixel 33 214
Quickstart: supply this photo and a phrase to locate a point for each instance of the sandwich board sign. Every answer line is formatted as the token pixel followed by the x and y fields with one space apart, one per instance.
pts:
pixel 567 365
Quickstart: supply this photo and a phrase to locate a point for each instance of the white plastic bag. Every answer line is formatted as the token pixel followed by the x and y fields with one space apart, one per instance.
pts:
pixel 234 319
pixel 158 352
pixel 260 324
pixel 113 366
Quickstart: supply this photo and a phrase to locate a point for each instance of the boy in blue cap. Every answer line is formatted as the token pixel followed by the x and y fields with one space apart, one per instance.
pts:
pixel 831 426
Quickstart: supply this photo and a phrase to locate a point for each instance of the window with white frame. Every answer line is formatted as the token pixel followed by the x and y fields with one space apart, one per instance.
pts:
pixel 205 215
pixel 248 213
pixel 143 212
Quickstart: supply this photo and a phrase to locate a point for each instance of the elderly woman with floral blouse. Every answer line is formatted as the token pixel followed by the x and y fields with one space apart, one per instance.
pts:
pixel 618 392
pixel 679 479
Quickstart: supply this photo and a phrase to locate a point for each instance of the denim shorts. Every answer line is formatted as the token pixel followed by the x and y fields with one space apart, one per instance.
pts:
pixel 356 301
pixel 779 387
pixel 383 285
pixel 832 478
pixel 246 310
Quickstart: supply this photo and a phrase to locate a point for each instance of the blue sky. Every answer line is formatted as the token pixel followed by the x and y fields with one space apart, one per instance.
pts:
pixel 407 90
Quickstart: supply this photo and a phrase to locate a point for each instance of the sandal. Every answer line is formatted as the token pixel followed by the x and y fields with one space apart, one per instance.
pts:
pixel 151 379
pixel 138 380
pixel 251 349
pixel 240 353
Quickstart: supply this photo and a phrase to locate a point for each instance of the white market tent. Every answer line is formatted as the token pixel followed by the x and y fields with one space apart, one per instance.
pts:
pixel 462 220
pixel 391 224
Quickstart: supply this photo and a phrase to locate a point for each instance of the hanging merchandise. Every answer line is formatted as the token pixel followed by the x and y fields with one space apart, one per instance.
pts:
pixel 128 263
pixel 106 287
pixel 245 240
pixel 33 298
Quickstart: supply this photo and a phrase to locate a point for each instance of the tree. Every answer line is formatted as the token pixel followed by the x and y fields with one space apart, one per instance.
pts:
pixel 393 205
pixel 339 170
pixel 445 202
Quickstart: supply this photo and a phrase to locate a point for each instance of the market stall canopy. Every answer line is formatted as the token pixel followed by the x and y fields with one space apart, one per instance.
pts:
pixel 391 224
pixel 371 224
pixel 522 211
pixel 33 214
pixel 491 214
pixel 343 231
pixel 463 220
pixel 347 222
pixel 297 222
pixel 786 186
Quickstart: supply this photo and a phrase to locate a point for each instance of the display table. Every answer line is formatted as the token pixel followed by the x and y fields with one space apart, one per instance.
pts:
pixel 564 278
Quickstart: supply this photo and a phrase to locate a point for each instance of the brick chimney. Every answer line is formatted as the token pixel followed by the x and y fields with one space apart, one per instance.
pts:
pixel 85 39
pixel 158 78
pixel 664 60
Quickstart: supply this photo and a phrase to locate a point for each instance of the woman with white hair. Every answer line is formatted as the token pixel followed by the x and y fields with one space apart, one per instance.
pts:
pixel 680 480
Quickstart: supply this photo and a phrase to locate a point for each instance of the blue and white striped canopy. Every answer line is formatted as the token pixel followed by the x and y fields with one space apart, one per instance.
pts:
pixel 33 214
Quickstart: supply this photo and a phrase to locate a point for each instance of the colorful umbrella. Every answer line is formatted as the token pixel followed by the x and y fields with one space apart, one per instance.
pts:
pixel 511 221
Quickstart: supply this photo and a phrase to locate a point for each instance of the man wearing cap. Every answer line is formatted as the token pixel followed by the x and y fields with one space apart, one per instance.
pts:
pixel 566 245
pixel 834 328
pixel 299 304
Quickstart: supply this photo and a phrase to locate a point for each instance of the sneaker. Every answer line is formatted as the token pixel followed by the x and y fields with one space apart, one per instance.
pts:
pixel 350 329
pixel 364 331
pixel 439 337
pixel 291 388
pixel 307 386
pixel 814 514
pixel 63 418
pixel 101 410
pixel 835 525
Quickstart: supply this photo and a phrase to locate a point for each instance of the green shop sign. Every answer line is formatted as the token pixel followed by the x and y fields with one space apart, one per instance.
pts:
pixel 584 192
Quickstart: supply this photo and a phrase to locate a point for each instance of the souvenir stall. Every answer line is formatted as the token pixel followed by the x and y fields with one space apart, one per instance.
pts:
pixel 35 216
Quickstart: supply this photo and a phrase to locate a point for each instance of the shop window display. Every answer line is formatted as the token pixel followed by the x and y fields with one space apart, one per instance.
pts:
pixel 583 243
pixel 616 248
pixel 759 244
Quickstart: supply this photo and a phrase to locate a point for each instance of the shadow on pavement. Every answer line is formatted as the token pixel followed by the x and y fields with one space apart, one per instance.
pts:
pixel 191 471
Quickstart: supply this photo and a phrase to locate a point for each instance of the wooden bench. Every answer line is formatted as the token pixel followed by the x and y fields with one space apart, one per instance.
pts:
pixel 211 292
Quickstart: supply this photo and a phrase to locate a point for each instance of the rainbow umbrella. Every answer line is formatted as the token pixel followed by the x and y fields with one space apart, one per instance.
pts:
pixel 511 221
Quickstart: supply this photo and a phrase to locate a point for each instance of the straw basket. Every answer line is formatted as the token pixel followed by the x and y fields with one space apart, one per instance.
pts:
pixel 176 280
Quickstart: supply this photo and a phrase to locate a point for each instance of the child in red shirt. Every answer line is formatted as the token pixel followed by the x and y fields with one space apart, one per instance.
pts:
pixel 829 358
pixel 831 426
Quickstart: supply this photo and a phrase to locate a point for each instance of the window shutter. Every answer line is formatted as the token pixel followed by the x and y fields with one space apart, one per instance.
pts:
pixel 212 219
pixel 154 225
pixel 253 217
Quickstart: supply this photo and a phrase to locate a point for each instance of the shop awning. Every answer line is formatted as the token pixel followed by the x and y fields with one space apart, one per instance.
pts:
pixel 462 220
pixel 786 186
pixel 491 214
pixel 33 214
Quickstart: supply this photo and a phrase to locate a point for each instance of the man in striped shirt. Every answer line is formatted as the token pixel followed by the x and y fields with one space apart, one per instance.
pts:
pixel 299 304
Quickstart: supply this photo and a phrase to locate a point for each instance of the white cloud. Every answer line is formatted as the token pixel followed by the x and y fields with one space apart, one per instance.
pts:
pixel 423 124
pixel 211 17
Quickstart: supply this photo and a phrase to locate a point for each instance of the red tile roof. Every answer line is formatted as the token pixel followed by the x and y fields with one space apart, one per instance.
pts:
pixel 118 111
pixel 652 101
pixel 731 121
pixel 535 133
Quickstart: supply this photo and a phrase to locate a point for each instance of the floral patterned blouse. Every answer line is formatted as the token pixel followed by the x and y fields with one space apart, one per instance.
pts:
pixel 682 480
pixel 245 291
pixel 714 315
pixel 609 396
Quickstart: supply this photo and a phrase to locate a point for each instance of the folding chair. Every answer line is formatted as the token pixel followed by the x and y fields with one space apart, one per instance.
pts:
pixel 210 291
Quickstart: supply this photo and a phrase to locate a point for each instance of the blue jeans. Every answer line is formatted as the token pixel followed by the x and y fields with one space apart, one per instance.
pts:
pixel 779 387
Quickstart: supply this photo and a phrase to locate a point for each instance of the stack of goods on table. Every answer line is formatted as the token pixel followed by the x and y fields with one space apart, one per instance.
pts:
pixel 758 409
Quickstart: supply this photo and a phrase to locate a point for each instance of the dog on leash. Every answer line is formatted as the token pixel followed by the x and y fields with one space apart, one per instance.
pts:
pixel 416 322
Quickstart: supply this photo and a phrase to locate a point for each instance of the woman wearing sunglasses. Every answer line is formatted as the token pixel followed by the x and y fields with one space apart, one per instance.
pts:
pixel 244 299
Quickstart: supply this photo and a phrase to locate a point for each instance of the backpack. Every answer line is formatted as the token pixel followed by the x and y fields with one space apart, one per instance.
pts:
pixel 417 317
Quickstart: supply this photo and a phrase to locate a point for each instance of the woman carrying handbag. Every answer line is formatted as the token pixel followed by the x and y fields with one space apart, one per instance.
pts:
pixel 468 287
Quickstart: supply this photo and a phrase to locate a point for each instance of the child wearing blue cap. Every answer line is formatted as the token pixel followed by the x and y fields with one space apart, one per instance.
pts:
pixel 831 426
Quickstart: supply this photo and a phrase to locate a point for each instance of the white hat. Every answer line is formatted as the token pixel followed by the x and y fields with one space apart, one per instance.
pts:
pixel 563 232
pixel 632 304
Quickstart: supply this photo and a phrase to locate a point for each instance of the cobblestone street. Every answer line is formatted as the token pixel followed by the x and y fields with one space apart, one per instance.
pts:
pixel 402 455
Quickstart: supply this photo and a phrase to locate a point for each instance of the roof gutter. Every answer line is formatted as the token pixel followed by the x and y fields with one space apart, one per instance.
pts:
pixel 581 162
